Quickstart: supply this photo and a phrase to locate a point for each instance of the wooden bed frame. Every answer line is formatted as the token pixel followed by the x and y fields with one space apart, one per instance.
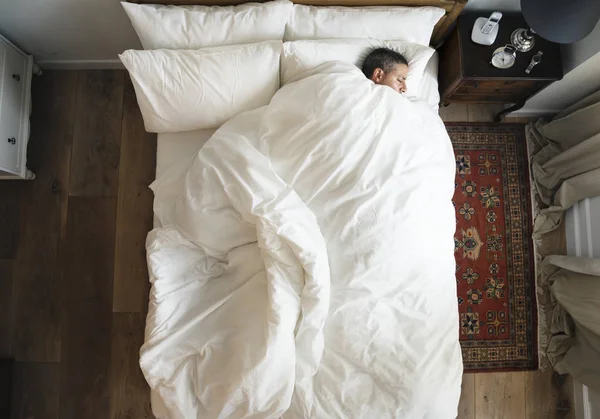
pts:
pixel 441 30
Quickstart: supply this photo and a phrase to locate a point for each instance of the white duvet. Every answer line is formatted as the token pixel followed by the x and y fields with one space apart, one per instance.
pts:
pixel 305 263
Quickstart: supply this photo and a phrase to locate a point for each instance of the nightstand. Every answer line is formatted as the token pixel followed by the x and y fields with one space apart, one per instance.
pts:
pixel 466 75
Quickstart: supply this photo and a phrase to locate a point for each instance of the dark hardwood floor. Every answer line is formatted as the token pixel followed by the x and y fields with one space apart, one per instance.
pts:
pixel 73 279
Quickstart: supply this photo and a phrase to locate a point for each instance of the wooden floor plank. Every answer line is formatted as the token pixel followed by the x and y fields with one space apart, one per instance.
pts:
pixel 483 112
pixel 134 210
pixel 36 335
pixel 520 119
pixel 466 405
pixel 454 112
pixel 6 305
pixel 130 394
pixel 84 370
pixel 35 391
pixel 541 399
pixel 10 192
pixel 97 133
pixel 89 249
pixel 86 336
pixel 6 385
pixel 500 395
pixel 566 397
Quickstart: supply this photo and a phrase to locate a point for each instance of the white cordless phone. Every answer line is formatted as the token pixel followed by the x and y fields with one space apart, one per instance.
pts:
pixel 491 23
pixel 485 30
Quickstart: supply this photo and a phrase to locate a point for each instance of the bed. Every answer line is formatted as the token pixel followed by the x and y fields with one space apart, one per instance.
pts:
pixel 302 261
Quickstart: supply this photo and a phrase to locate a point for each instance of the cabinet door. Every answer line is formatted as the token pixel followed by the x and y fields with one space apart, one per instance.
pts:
pixel 13 66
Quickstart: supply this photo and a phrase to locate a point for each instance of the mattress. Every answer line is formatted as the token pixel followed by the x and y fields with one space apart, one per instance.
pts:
pixel 177 149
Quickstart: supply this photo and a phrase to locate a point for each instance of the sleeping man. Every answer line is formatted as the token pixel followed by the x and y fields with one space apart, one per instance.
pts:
pixel 387 67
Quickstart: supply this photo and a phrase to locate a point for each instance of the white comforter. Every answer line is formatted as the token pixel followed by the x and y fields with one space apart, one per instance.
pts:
pixel 305 264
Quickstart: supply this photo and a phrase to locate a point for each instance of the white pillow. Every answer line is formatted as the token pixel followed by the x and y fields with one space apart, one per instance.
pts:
pixel 412 24
pixel 300 56
pixel 184 90
pixel 193 27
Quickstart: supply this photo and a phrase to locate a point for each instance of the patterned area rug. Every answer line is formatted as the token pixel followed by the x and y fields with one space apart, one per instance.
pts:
pixel 493 247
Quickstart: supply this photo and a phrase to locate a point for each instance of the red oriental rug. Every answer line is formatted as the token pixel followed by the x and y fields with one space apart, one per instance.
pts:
pixel 493 247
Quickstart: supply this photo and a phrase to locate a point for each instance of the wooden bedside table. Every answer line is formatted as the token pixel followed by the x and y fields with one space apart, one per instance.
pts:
pixel 466 75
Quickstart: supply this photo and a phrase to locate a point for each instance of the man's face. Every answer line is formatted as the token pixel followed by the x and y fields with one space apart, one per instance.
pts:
pixel 396 79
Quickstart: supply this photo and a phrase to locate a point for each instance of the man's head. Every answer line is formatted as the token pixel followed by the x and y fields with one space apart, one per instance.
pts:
pixel 387 67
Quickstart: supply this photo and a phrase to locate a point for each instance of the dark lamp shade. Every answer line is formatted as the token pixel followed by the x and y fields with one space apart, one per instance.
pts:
pixel 562 21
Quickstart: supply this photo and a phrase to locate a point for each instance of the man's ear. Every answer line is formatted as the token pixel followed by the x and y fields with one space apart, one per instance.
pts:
pixel 377 75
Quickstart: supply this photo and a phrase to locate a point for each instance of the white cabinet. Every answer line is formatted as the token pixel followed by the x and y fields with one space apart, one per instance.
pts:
pixel 15 102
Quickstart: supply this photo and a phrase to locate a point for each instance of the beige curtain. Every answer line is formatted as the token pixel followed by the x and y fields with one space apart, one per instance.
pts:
pixel 574 347
pixel 565 166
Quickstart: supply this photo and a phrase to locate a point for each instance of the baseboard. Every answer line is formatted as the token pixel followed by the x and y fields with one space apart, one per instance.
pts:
pixel 526 113
pixel 81 64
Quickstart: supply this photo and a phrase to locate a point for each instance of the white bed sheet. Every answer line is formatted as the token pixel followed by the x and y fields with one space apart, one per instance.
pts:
pixel 175 149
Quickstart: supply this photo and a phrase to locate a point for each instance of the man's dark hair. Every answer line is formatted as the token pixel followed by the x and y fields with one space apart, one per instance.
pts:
pixel 383 58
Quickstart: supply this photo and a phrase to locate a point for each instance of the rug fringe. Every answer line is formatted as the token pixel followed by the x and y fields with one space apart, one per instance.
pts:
pixel 542 319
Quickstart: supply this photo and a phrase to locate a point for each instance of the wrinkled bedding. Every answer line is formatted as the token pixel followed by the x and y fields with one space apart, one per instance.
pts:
pixel 304 267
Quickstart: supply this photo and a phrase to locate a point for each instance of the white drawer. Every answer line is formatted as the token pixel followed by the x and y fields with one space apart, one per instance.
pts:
pixel 13 79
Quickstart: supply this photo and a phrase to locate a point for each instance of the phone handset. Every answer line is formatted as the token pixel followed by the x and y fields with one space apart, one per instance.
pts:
pixel 491 23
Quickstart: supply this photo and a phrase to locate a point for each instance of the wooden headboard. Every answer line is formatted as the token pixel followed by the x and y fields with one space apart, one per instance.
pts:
pixel 452 7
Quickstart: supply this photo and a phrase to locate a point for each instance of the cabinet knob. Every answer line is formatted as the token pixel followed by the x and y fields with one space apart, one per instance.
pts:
pixel 476 84
pixel 16 77
pixel 12 140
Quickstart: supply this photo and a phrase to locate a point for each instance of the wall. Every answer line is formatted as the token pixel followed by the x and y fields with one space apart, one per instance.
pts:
pixel 70 32
pixel 90 33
